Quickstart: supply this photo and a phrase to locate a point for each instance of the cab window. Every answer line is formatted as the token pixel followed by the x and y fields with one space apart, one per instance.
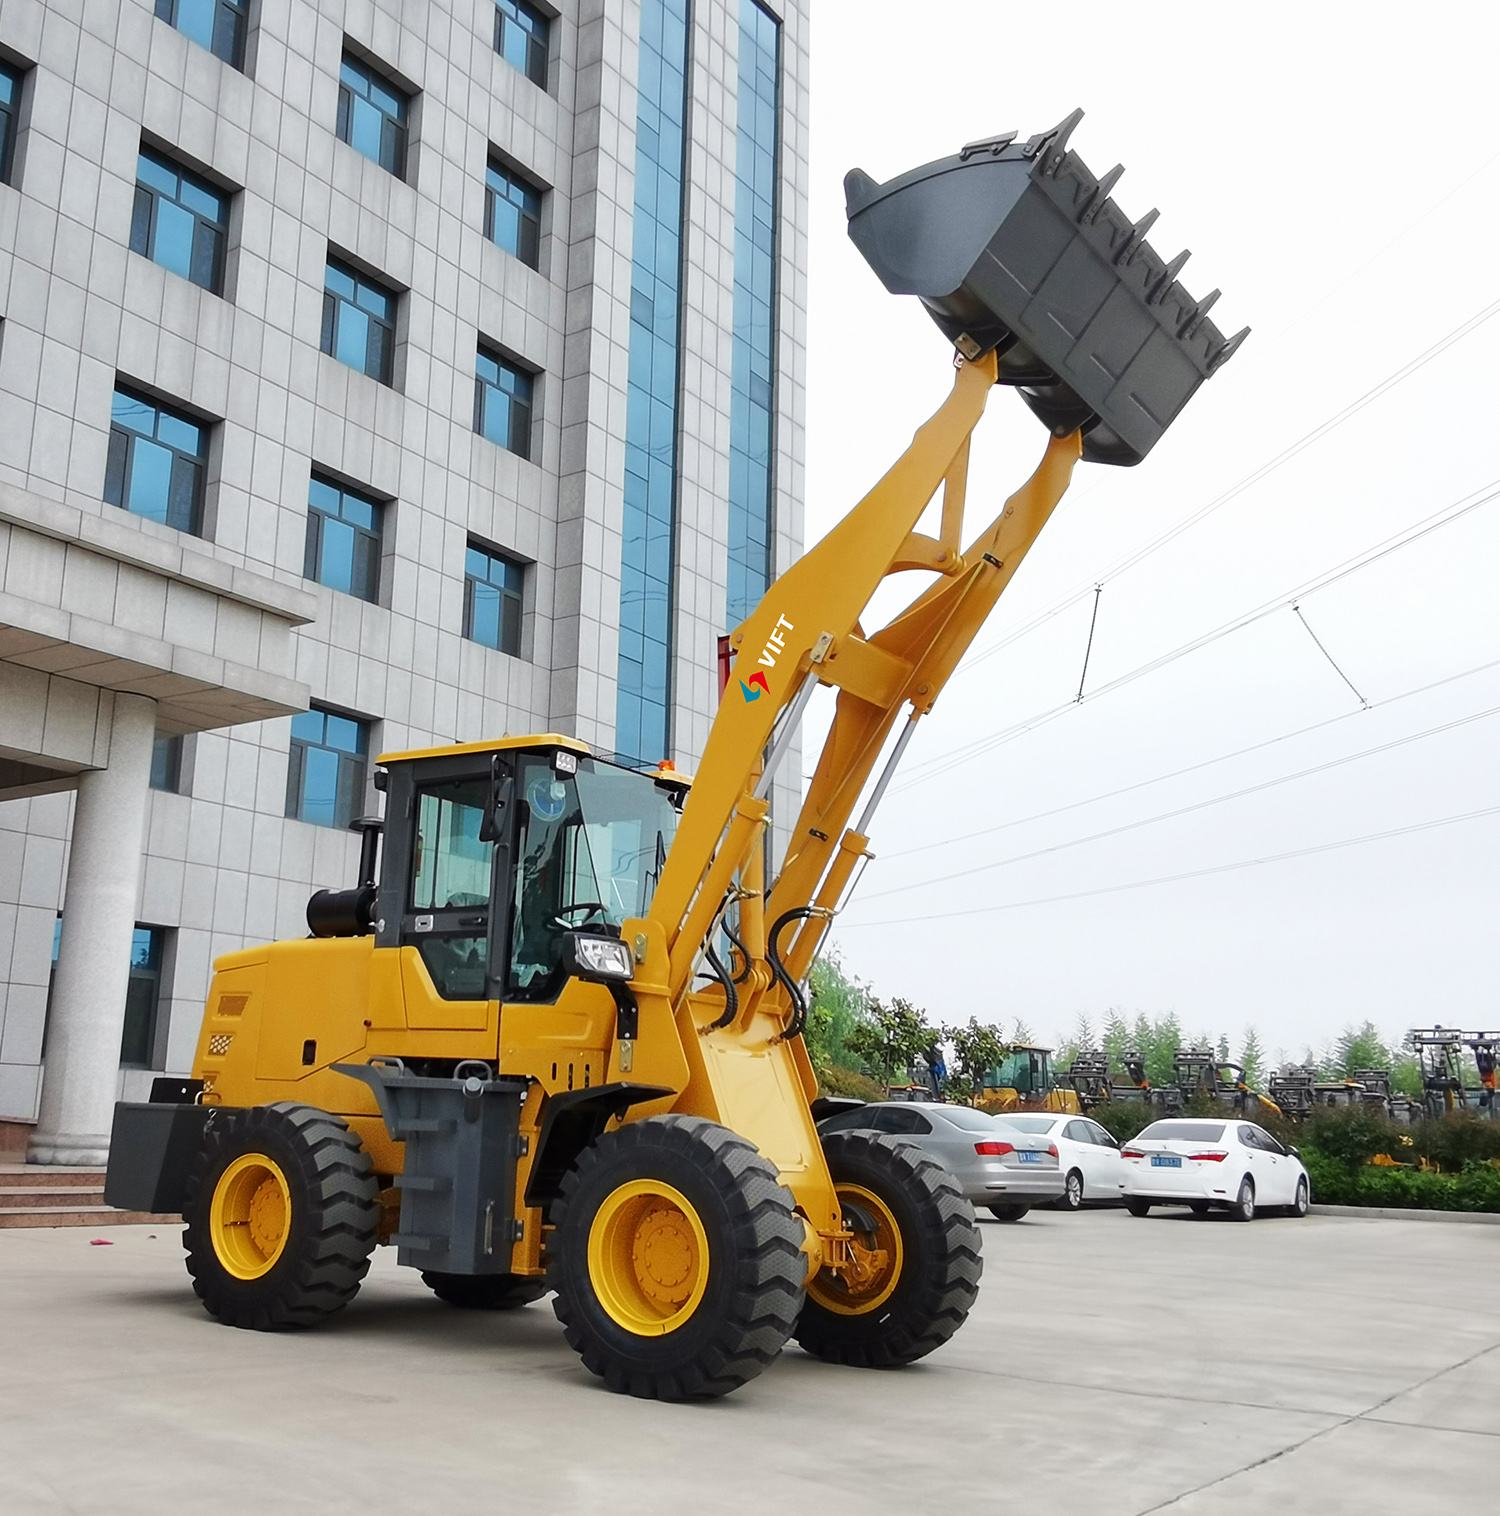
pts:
pixel 590 850
pixel 449 905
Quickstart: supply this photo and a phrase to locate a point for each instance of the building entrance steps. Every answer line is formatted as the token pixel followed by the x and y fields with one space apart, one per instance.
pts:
pixel 33 1194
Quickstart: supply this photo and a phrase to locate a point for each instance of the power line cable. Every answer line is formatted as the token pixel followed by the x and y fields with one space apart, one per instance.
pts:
pixel 1405 538
pixel 1251 479
pixel 1192 768
pixel 1297 611
pixel 1186 810
pixel 1089 646
pixel 1221 868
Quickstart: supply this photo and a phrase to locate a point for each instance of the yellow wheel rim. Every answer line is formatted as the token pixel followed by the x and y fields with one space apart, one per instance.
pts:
pixel 648 1257
pixel 250 1216
pixel 875 1270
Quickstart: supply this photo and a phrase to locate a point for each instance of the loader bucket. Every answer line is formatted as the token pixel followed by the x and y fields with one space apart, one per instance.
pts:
pixel 1017 248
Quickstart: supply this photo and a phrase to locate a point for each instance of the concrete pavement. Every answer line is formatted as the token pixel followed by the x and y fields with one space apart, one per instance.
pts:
pixel 1113 1367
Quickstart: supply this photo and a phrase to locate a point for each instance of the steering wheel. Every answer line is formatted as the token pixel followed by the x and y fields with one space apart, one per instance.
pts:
pixel 588 907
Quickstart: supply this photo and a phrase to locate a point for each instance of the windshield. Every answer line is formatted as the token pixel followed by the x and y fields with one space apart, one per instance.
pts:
pixel 591 849
pixel 1037 1124
pixel 1183 1131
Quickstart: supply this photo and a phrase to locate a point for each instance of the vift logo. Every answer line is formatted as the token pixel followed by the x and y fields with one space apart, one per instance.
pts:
pixel 756 686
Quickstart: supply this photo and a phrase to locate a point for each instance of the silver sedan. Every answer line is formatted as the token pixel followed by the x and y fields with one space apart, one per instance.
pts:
pixel 997 1166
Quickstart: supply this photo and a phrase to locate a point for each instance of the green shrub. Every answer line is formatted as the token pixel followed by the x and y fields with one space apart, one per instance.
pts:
pixel 1475 1188
pixel 834 1079
pixel 1122 1119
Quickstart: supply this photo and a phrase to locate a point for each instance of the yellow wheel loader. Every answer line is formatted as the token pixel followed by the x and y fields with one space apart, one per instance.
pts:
pixel 514 1051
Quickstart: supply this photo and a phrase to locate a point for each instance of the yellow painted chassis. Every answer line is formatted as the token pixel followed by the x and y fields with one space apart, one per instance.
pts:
pixel 352 1002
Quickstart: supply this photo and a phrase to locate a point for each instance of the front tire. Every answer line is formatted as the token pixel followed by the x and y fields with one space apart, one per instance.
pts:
pixel 1243 1208
pixel 1303 1203
pixel 281 1216
pixel 485 1292
pixel 916 1251
pixel 676 1258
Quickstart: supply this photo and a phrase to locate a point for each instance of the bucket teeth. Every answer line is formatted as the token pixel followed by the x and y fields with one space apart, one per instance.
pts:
pixel 1137 235
pixel 1195 316
pixel 1057 138
pixel 1168 274
pixel 1227 352
pixel 1102 191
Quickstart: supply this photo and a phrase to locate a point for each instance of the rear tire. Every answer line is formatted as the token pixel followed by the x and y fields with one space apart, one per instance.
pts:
pixel 281 1216
pixel 1303 1203
pixel 897 1202
pixel 1009 1212
pixel 1243 1208
pixel 486 1292
pixel 677 1259
pixel 1072 1195
pixel 1137 1207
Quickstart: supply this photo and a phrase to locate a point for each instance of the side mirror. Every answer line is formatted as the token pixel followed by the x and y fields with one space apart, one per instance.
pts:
pixel 496 814
pixel 1296 1152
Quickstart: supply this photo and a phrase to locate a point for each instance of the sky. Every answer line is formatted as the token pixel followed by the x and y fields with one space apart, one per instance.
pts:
pixel 1335 170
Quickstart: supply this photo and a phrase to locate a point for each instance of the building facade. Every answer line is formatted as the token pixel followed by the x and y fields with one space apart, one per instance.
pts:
pixel 374 374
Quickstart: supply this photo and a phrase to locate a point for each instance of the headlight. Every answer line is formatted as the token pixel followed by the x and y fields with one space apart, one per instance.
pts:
pixel 601 957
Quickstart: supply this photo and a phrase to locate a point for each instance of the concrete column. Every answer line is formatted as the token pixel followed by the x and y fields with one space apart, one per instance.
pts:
pixel 93 960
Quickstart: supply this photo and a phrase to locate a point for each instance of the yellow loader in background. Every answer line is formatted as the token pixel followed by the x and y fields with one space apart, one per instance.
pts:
pixel 514 1050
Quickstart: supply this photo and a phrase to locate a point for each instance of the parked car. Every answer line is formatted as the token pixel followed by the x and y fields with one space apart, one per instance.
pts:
pixel 996 1165
pixel 1235 1165
pixel 1088 1156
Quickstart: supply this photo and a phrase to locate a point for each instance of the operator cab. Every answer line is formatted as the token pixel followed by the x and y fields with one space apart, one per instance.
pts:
pixel 496 854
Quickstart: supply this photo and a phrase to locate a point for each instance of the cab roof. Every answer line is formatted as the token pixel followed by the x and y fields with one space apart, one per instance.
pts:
pixel 493 745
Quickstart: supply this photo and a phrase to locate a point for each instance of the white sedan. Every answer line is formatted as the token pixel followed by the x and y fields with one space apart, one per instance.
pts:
pixel 1088 1156
pixel 1233 1164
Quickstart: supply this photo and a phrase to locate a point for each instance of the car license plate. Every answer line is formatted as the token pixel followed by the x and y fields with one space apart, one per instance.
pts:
pixel 1029 1157
pixel 1165 1161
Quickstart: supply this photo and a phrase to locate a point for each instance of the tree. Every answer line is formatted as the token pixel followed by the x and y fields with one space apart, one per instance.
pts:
pixel 976 1049
pixel 836 1005
pixel 1252 1059
pixel 1022 1033
pixel 891 1037
pixel 1079 1040
pixel 1362 1047
pixel 1116 1039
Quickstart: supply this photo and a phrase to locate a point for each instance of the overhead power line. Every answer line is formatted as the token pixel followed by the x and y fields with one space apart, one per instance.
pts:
pixel 1317 434
pixel 1186 810
pixel 1318 643
pixel 1192 768
pixel 1220 868
pixel 1403 539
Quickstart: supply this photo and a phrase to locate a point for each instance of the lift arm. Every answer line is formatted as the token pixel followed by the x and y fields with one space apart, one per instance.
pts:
pixel 807 631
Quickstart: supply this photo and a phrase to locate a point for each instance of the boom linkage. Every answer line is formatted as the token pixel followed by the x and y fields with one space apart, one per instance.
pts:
pixel 807 631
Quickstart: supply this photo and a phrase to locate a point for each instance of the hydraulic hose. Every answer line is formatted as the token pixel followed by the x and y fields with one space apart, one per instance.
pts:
pixel 773 957
pixel 731 995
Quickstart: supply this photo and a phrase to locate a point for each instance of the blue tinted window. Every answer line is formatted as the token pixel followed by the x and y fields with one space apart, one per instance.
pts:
pixel 343 539
pixel 753 356
pixel 512 213
pixel 10 105
pixel 493 586
pixel 359 322
pixel 142 997
pixel 521 38
pixel 325 781
pixel 651 406
pixel 166 764
pixel 218 25
pixel 372 116
pixel 156 462
pixel 180 221
pixel 502 402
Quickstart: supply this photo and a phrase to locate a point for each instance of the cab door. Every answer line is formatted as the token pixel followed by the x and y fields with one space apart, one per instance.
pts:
pixel 454 912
